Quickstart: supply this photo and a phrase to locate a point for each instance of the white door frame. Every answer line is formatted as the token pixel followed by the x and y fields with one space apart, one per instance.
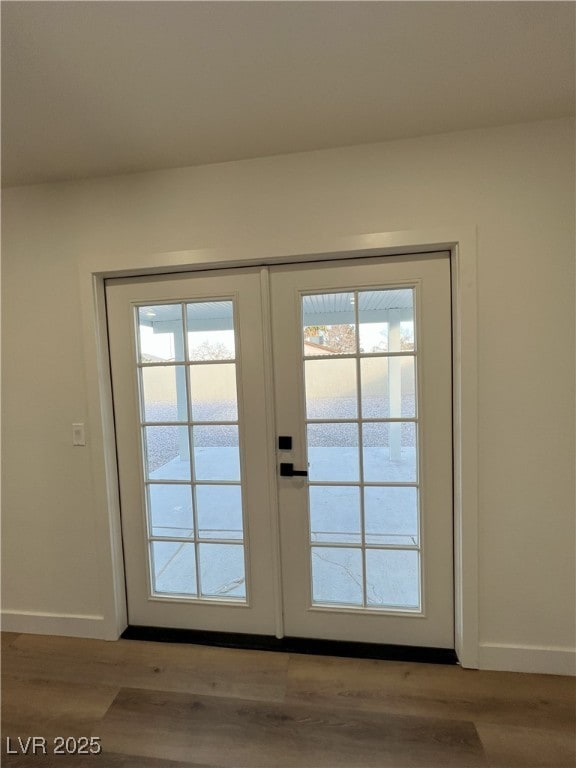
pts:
pixel 462 244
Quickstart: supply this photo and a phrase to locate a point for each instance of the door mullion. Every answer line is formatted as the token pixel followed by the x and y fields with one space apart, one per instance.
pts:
pixel 191 450
pixel 271 435
pixel 360 451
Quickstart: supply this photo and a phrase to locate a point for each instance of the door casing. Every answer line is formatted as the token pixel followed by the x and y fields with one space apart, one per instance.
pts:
pixel 461 241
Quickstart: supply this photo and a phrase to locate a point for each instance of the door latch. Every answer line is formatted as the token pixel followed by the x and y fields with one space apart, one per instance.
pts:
pixel 287 470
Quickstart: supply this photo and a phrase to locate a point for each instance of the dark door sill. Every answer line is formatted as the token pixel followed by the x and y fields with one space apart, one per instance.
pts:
pixel 294 645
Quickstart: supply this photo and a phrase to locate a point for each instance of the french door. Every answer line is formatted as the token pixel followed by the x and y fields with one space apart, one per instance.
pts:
pixel 284 449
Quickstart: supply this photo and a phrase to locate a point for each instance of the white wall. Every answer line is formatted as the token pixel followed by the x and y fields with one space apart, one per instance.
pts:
pixel 515 183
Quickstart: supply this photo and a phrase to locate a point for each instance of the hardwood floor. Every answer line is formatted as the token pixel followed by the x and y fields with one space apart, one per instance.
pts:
pixel 157 705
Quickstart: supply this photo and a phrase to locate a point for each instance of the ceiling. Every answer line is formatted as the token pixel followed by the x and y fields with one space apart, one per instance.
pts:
pixel 101 88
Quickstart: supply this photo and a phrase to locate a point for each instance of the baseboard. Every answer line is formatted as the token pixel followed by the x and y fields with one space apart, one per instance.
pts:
pixel 68 625
pixel 528 658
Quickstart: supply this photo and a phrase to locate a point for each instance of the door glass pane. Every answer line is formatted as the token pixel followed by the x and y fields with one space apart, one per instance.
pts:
pixel 216 453
pixel 333 452
pixel 213 392
pixel 392 578
pixel 389 451
pixel 170 510
pixel 337 575
pixel 386 320
pixel 164 393
pixel 391 515
pixel 222 570
pixel 388 387
pixel 331 389
pixel 210 327
pixel 173 568
pixel 329 324
pixel 160 334
pixel 219 509
pixel 191 497
pixel 167 453
pixel 335 514
pixel 343 509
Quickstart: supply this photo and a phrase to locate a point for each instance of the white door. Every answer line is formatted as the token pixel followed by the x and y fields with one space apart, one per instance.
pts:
pixel 362 359
pixel 355 374
pixel 188 379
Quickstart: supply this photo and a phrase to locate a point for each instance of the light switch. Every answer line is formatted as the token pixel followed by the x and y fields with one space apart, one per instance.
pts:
pixel 78 436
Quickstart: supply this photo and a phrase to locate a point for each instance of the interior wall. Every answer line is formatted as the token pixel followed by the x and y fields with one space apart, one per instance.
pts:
pixel 516 184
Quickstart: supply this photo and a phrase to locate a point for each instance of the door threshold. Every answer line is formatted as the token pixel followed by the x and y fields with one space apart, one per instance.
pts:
pixel 305 645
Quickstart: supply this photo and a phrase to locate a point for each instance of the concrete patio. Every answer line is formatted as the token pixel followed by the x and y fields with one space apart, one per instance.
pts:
pixel 391 518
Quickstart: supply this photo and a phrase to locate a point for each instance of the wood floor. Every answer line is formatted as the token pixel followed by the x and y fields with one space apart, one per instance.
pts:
pixel 157 705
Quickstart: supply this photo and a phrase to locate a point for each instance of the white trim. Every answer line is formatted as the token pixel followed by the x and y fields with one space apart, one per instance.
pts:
pixel 465 449
pixel 272 489
pixel 461 242
pixel 68 625
pixel 545 660
pixel 105 489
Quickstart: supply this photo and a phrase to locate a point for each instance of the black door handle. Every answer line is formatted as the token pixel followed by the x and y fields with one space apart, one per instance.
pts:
pixel 287 470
